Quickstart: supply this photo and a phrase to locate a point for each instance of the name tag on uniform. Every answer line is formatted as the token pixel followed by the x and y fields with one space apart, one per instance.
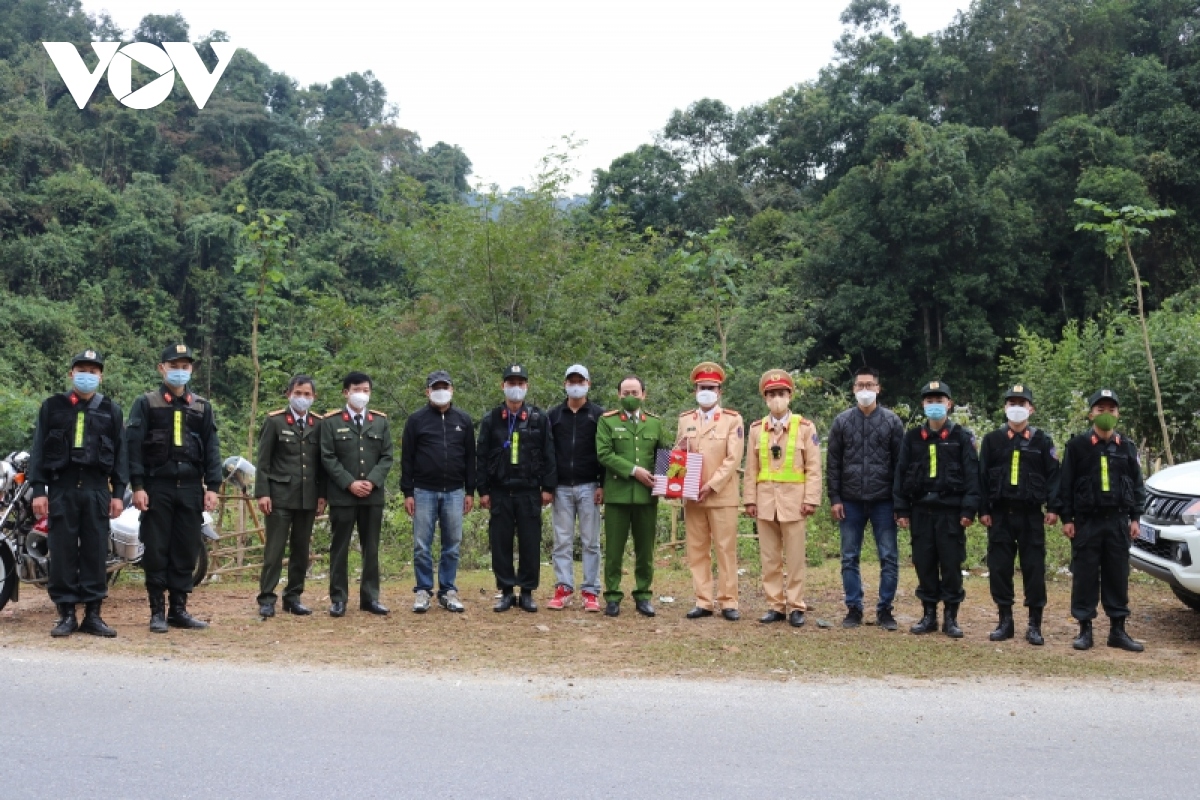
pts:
pixel 692 428
pixel 343 430
pixel 287 433
pixel 622 430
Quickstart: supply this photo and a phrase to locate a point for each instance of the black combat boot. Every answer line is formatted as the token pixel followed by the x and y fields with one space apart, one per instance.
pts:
pixel 950 623
pixel 158 619
pixel 93 624
pixel 1084 640
pixel 1034 634
pixel 1005 629
pixel 67 624
pixel 927 623
pixel 1117 637
pixel 178 616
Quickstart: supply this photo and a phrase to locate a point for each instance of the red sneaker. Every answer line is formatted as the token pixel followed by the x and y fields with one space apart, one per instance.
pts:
pixel 590 602
pixel 561 599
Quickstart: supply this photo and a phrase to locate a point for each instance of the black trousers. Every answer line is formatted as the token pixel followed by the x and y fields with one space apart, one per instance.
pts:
pixel 171 532
pixel 78 543
pixel 939 547
pixel 342 522
pixel 516 514
pixel 1017 531
pixel 284 528
pixel 1100 566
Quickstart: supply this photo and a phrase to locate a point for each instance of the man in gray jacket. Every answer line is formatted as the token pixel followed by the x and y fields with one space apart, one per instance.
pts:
pixel 864 445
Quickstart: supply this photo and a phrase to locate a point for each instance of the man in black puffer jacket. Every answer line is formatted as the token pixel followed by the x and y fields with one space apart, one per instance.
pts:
pixel 864 445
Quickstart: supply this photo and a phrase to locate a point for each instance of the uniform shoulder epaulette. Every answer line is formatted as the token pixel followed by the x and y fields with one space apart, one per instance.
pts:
pixel 612 413
pixel 332 413
pixel 731 412
pixel 276 413
pixel 648 414
pixel 379 413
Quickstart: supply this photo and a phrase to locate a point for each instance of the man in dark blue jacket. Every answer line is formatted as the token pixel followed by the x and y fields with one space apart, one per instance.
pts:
pixel 437 477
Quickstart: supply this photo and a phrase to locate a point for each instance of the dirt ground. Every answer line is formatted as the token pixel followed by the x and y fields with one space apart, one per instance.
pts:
pixel 573 643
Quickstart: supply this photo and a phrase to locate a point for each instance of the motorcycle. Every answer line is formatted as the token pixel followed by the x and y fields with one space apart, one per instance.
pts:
pixel 25 549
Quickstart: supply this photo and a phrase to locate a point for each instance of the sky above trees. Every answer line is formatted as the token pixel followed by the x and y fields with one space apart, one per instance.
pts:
pixel 506 80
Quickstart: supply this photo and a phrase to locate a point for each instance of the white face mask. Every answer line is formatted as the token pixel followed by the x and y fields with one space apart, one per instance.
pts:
pixel 706 398
pixel 515 393
pixel 301 405
pixel 865 398
pixel 441 397
pixel 577 391
pixel 359 400
pixel 1017 414
pixel 778 405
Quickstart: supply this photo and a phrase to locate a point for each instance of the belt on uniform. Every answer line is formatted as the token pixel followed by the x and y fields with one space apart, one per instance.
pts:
pixel 80 478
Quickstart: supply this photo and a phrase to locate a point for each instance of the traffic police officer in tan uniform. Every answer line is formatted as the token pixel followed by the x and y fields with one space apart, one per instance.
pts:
pixel 782 490
pixel 711 521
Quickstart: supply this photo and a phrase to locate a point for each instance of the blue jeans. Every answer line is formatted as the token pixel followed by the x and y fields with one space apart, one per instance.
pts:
pixel 853 528
pixel 445 509
pixel 572 503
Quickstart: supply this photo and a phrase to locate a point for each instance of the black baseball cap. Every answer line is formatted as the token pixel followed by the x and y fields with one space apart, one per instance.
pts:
pixel 88 357
pixel 936 387
pixel 515 371
pixel 1019 390
pixel 1103 394
pixel 177 351
pixel 438 376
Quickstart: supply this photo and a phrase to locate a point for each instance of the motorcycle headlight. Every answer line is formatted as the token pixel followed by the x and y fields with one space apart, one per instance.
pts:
pixel 7 473
pixel 1191 513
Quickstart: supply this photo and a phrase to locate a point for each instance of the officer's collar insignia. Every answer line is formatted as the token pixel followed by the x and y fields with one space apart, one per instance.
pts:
pixel 74 397
pixel 624 417
pixel 370 417
pixel 524 414
pixel 346 416
pixel 291 420
pixel 167 396
pixel 188 397
pixel 1095 438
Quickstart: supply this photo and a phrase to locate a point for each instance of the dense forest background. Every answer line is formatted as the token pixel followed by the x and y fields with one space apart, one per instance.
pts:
pixel 911 208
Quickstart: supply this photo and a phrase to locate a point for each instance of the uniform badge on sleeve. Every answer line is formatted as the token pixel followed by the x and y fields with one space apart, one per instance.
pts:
pixel 739 431
pixel 816 438
pixel 1054 452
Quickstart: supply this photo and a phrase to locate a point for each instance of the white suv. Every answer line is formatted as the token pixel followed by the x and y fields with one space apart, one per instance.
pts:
pixel 1168 543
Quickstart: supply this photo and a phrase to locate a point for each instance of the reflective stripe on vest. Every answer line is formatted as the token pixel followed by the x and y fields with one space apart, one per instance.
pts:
pixel 179 429
pixel 1016 465
pixel 788 473
pixel 933 460
pixel 1104 474
pixel 79 431
pixel 516 444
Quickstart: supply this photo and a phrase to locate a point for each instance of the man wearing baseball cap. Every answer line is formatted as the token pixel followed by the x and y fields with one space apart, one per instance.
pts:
pixel 437 477
pixel 782 490
pixel 517 476
pixel 1102 496
pixel 579 494
pixel 175 472
pixel 78 473
pixel 937 488
pixel 1018 470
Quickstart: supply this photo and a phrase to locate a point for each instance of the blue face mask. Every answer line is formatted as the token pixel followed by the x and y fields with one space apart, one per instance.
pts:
pixel 85 382
pixel 179 377
pixel 936 411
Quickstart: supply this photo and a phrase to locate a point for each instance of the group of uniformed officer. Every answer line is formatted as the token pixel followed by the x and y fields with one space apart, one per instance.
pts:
pixel 168 453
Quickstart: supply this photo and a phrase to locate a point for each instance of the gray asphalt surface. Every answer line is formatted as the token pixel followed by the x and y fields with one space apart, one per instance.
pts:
pixel 74 725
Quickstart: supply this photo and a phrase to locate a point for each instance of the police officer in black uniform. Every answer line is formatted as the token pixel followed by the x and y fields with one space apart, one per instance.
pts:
pixel 1018 470
pixel 1102 497
pixel 516 478
pixel 175 471
pixel 937 488
pixel 78 458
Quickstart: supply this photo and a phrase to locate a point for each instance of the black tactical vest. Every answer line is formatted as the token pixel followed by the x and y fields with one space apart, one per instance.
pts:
pixel 1020 471
pixel 174 433
pixel 1105 478
pixel 936 464
pixel 519 458
pixel 80 435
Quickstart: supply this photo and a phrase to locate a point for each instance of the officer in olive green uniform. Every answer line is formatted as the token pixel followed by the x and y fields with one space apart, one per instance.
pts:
pixel 626 441
pixel 356 452
pixel 175 471
pixel 290 485
pixel 78 460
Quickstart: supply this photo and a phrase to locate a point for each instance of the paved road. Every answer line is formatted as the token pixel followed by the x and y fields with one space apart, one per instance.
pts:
pixel 175 730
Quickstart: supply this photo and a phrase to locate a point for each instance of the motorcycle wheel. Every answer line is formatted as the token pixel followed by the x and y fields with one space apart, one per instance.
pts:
pixel 8 574
pixel 201 566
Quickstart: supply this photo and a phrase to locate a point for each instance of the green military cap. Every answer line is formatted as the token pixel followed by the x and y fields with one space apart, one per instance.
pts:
pixel 177 351
pixel 516 371
pixel 1103 394
pixel 88 357
pixel 1019 390
pixel 936 387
